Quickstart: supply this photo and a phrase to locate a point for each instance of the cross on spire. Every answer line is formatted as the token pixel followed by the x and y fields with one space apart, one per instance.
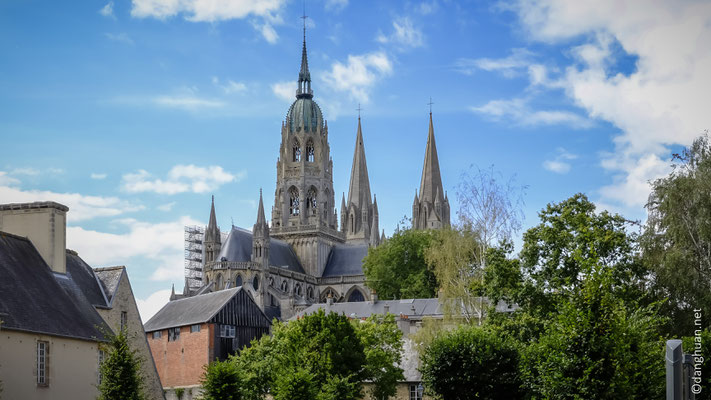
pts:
pixel 430 104
pixel 358 110
pixel 304 16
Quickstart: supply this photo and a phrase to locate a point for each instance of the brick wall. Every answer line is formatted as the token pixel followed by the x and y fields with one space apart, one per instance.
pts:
pixel 181 362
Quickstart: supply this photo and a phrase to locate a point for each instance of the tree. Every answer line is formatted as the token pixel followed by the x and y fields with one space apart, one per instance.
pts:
pixel 382 341
pixel 471 362
pixel 571 241
pixel 454 255
pixel 120 377
pixel 397 269
pixel 676 242
pixel 596 348
pixel 222 381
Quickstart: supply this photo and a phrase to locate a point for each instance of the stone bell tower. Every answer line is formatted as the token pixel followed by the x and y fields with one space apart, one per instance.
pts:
pixel 304 209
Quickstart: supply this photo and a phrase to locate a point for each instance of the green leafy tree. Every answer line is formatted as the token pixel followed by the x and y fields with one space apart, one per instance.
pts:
pixel 597 348
pixel 471 362
pixel 382 343
pixel 571 241
pixel 700 347
pixel 677 237
pixel 222 381
pixel 120 370
pixel 397 269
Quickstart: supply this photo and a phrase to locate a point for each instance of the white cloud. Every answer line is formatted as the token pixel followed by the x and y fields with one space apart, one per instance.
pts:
pixel 81 207
pixel 518 111
pixel 336 5
pixel 359 74
pixel 285 90
pixel 6 180
pixel 662 102
pixel 266 30
pixel 427 7
pixel 206 10
pixel 560 163
pixel 108 10
pixel 160 243
pixel 149 306
pixel 180 179
pixel 166 207
pixel 510 66
pixel 404 34
pixel 98 176
pixel 230 86
pixel 119 37
pixel 187 102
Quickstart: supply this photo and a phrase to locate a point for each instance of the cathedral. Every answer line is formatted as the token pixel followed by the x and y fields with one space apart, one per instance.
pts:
pixel 305 255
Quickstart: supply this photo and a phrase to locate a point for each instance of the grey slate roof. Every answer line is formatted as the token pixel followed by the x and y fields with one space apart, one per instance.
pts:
pixel 190 310
pixel 83 277
pixel 34 299
pixel 345 260
pixel 109 277
pixel 238 247
pixel 364 309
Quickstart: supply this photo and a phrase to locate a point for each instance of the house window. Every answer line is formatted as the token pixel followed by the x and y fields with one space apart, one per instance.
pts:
pixel 156 335
pixel 415 393
pixel 195 328
pixel 42 358
pixel 124 319
pixel 101 361
pixel 227 331
pixel 173 334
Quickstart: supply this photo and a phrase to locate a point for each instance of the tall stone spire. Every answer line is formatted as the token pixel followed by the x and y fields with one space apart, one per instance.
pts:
pixel 360 209
pixel 359 189
pixel 430 209
pixel 212 240
pixel 304 89
pixel 261 224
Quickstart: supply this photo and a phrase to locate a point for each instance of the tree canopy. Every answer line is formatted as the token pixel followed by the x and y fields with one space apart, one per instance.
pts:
pixel 120 370
pixel 396 269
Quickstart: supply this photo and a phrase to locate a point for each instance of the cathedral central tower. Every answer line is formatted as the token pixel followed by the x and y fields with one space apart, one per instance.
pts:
pixel 304 209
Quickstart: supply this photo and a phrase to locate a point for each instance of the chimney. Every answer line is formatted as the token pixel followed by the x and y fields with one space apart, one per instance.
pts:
pixel 45 224
pixel 373 296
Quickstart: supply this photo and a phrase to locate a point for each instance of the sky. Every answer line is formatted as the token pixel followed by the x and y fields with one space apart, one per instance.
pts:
pixel 134 112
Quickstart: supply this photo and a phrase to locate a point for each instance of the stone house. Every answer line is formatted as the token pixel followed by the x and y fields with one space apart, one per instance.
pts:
pixel 55 310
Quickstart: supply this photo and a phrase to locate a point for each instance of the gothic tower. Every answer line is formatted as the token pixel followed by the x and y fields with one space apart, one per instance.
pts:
pixel 260 252
pixel 212 241
pixel 430 210
pixel 304 208
pixel 360 213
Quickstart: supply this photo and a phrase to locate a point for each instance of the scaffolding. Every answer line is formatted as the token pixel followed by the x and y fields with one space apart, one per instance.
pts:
pixel 194 236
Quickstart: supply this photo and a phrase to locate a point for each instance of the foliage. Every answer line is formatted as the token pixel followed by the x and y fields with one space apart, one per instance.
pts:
pixel 488 207
pixel 396 269
pixel 677 237
pixel 257 366
pixel 571 241
pixel 221 381
pixel 471 362
pixel 454 255
pixel 597 349
pixel 120 376
pixel 382 341
pixel 179 393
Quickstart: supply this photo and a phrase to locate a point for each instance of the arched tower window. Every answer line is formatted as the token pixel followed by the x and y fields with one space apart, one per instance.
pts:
pixel 294 201
pixel 352 223
pixel 297 289
pixel 296 151
pixel 255 283
pixel 310 292
pixel 311 200
pixel 284 286
pixel 238 280
pixel 356 295
pixel 218 282
pixel 310 157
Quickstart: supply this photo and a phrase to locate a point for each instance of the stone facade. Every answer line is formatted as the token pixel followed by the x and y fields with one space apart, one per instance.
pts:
pixel 123 308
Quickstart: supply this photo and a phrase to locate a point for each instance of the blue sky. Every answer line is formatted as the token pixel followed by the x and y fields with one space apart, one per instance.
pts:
pixel 133 113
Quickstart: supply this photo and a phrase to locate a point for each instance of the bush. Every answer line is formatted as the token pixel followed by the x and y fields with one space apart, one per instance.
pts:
pixel 471 362
pixel 120 378
pixel 221 381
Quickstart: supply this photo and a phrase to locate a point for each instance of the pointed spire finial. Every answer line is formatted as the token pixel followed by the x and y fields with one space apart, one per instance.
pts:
pixel 304 89
pixel 430 104
pixel 359 110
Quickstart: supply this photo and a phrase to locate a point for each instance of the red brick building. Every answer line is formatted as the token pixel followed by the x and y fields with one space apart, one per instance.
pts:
pixel 189 333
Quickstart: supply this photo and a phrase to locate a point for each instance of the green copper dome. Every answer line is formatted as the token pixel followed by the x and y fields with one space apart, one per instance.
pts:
pixel 305 114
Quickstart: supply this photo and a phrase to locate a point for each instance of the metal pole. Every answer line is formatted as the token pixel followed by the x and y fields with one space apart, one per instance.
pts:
pixel 675 370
